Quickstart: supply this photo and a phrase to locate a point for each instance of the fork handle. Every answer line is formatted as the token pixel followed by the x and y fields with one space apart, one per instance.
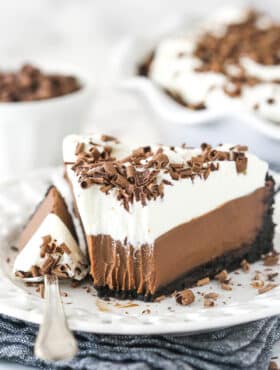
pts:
pixel 54 341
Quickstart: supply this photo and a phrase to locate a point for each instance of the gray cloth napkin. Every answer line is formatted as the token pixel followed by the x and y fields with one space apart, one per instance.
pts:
pixel 242 347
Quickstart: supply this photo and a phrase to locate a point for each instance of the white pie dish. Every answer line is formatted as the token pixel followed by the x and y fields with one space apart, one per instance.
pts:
pixel 176 118
pixel 31 132
pixel 88 313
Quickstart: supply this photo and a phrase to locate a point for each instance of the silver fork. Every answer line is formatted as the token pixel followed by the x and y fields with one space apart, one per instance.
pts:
pixel 54 340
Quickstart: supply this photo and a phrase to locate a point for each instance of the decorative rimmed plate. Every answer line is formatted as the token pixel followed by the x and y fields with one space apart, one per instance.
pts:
pixel 86 312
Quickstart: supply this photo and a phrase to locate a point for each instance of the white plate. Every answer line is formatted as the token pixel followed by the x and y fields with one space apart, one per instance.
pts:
pixel 88 313
pixel 131 52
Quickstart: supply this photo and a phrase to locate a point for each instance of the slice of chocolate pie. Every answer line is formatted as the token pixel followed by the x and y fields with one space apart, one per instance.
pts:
pixel 160 218
pixel 48 243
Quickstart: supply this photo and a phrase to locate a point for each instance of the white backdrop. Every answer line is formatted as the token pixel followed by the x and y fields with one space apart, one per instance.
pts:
pixel 85 32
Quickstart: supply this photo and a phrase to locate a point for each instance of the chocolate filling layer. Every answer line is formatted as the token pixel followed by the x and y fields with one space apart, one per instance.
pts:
pixel 52 203
pixel 241 228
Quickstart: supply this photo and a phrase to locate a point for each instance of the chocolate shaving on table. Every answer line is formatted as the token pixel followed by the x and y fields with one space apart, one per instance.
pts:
pixel 185 297
pixel 203 281
pixel 245 265
pixel 209 302
pixel 222 54
pixel 226 286
pixel 211 295
pixel 271 259
pixel 135 177
pixel 267 288
pixel 222 276
pixel 270 101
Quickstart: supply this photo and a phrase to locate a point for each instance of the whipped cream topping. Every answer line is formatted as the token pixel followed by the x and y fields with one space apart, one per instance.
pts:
pixel 30 255
pixel 174 68
pixel 184 200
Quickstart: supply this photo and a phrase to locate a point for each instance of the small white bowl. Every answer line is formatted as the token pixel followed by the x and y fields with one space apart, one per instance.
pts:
pixel 31 133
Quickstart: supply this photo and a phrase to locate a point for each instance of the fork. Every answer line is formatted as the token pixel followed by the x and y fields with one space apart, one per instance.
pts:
pixel 54 340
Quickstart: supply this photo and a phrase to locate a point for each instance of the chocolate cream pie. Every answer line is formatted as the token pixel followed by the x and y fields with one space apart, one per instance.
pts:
pixel 232 60
pixel 48 244
pixel 159 218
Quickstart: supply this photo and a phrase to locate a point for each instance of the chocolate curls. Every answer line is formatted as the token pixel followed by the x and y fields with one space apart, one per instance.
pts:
pixel 29 83
pixel 136 177
pixel 244 39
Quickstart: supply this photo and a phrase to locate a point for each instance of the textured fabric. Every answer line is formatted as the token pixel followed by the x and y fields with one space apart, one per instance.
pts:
pixel 243 347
